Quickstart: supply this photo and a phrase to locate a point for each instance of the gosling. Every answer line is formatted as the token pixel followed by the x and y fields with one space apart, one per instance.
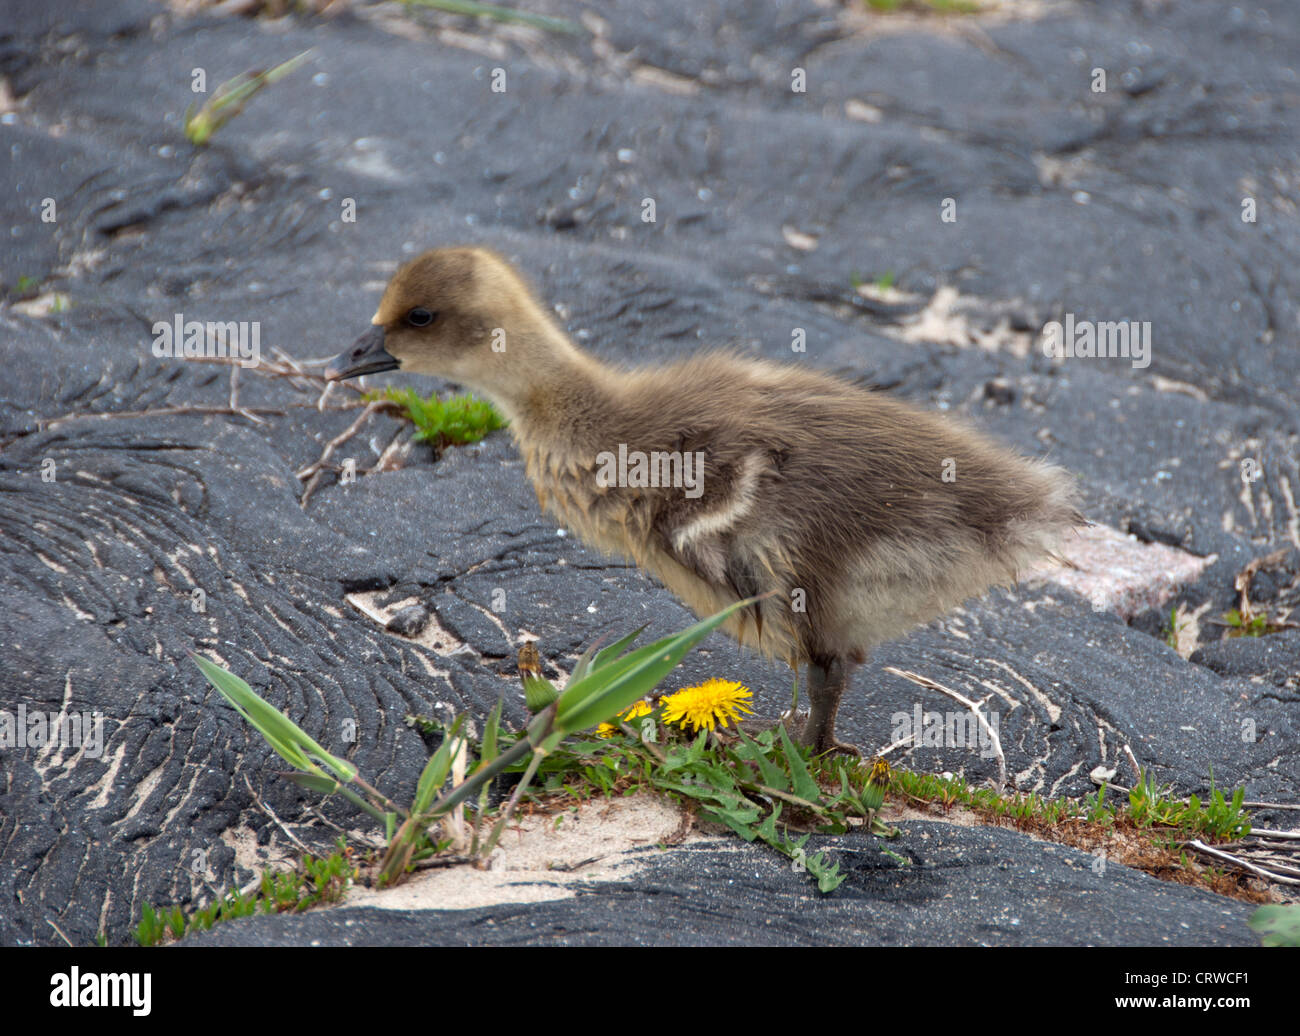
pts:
pixel 727 477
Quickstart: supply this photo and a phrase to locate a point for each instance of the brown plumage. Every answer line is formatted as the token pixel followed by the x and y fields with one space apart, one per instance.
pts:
pixel 867 515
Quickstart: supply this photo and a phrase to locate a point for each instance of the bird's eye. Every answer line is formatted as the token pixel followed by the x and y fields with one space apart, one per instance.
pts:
pixel 420 317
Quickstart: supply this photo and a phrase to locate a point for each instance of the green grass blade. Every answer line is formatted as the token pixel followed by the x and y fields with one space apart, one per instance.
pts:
pixel 583 665
pixel 591 659
pixel 613 670
pixel 436 769
pixel 315 782
pixel 329 786
pixel 289 740
pixel 606 655
pixel 602 694
pixel 229 98
pixel 491 746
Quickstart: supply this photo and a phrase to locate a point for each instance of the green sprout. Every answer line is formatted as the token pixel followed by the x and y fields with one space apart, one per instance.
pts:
pixel 1174 628
pixel 230 97
pixel 1241 626
pixel 442 423
pixel 319 880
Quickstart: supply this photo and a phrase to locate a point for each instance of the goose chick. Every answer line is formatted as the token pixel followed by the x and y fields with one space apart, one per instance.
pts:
pixel 726 477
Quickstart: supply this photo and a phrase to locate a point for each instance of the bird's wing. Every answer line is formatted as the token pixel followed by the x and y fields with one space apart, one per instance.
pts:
pixel 712 533
pixel 698 523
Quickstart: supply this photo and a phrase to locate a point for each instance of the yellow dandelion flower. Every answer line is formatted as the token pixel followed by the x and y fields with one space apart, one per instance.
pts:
pixel 713 703
pixel 637 708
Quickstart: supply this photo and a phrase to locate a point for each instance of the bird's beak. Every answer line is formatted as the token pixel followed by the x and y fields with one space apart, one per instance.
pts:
pixel 367 356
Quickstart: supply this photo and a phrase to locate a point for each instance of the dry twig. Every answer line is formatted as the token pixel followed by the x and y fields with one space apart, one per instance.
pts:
pixel 1240 862
pixel 163 411
pixel 257 801
pixel 312 471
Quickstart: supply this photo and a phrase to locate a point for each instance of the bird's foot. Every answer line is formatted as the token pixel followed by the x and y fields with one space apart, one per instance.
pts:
pixel 820 737
pixel 825 747
pixel 797 726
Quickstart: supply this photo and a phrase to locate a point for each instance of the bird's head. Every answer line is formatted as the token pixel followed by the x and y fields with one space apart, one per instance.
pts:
pixel 458 313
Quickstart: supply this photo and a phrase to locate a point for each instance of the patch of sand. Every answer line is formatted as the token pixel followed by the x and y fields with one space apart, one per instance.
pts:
pixel 538 860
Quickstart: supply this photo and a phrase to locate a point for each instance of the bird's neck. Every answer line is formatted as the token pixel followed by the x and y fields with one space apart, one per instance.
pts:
pixel 553 388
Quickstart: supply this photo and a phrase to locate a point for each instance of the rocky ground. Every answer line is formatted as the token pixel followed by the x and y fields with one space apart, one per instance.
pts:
pixel 128 482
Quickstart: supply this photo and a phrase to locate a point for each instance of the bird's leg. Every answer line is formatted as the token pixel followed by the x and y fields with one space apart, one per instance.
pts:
pixel 826 682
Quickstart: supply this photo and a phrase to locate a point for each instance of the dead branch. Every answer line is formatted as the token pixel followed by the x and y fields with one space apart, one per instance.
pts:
pixel 312 471
pixel 164 411
pixel 1237 861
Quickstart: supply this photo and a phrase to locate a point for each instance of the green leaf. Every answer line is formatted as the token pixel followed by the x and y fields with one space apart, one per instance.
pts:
pixel 827 880
pixel 551 742
pixel 695 750
pixel 803 784
pixel 771 774
pixel 767 829
pixel 595 657
pixel 1279 925
pixel 592 658
pixel 740 822
pixel 583 665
